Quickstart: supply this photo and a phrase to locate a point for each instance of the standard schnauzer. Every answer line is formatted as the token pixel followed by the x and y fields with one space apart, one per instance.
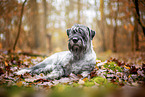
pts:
pixel 80 59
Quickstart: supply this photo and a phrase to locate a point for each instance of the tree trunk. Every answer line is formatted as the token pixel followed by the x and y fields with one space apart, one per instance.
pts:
pixel 20 23
pixel 35 23
pixel 102 24
pixel 138 15
pixel 7 41
pixel 49 42
pixel 45 21
pixel 114 38
pixel 136 34
pixel 115 29
pixel 132 40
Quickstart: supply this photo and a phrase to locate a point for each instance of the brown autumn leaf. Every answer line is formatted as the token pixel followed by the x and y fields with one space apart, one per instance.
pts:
pixel 85 79
pixel 42 80
pixel 79 75
pixel 143 67
pixel 19 83
pixel 133 70
pixel 119 64
pixel 93 74
pixel 6 64
pixel 8 67
pixel 121 84
pixel 1 71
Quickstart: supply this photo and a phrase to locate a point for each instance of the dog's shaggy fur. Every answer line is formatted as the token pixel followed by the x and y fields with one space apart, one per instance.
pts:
pixel 80 59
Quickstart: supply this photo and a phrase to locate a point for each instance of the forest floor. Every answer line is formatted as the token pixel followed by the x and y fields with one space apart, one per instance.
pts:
pixel 115 75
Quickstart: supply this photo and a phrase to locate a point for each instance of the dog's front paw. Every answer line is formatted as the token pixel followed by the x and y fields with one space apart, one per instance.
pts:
pixel 85 74
pixel 21 72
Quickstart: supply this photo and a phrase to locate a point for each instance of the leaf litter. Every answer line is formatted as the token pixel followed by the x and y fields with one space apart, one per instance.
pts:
pixel 112 73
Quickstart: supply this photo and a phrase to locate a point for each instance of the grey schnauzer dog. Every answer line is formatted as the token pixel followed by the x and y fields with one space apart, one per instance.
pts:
pixel 80 59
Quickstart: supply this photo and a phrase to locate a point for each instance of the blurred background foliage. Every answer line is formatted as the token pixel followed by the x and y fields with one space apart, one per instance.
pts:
pixel 119 24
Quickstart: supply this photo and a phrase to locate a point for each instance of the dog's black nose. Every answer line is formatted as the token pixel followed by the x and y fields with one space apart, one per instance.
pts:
pixel 75 40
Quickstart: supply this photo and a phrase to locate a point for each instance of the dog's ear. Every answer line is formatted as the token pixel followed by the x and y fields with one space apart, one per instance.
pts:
pixel 91 33
pixel 68 32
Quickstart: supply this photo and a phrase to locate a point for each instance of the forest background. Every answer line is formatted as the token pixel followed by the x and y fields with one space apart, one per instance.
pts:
pixel 39 26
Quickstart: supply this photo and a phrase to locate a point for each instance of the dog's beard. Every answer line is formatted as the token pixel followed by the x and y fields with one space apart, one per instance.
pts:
pixel 77 50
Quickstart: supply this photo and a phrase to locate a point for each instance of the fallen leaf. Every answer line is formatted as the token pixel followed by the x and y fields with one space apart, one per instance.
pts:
pixel 81 82
pixel 42 80
pixel 6 64
pixel 93 74
pixel 1 71
pixel 19 83
pixel 85 79
pixel 135 83
pixel 126 67
pixel 133 70
pixel 64 80
pixel 143 67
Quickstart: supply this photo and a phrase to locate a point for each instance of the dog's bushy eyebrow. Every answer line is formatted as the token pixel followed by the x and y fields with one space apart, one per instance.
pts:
pixel 75 29
pixel 81 30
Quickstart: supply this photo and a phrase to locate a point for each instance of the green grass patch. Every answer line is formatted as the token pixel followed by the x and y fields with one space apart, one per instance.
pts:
pixel 113 66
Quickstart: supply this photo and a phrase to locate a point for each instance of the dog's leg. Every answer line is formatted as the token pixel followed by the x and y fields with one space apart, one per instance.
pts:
pixel 31 69
pixel 38 67
pixel 22 71
pixel 55 74
pixel 85 74
pixel 87 69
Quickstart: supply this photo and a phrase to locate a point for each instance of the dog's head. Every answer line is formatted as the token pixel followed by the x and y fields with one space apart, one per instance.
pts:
pixel 80 37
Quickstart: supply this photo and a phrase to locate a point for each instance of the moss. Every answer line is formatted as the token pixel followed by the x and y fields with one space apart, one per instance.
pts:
pixel 99 80
pixel 76 84
pixel 89 83
pixel 111 85
pixel 113 66
pixel 62 87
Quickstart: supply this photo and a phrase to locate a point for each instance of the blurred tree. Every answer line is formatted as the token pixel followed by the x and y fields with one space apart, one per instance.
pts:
pixel 115 27
pixel 102 24
pixel 45 22
pixel 136 33
pixel 47 12
pixel 136 3
pixel 9 14
pixel 70 8
pixel 33 23
pixel 20 23
pixel 79 8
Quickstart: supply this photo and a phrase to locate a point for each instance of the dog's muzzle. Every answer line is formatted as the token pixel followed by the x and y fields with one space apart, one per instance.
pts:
pixel 75 44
